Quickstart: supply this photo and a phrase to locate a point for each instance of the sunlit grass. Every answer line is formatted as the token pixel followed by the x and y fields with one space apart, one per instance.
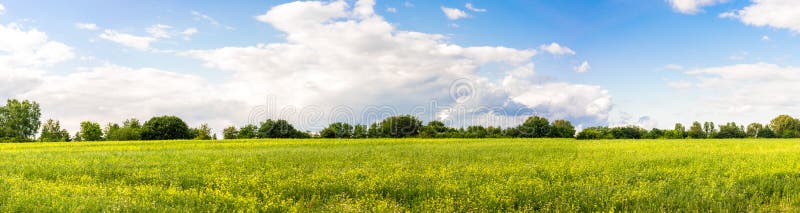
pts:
pixel 402 175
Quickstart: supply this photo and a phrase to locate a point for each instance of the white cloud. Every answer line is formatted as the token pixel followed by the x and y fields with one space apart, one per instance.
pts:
pixel 2 9
pixel 210 20
pixel 337 55
pixel 408 4
pixel 625 119
pixel 674 67
pixel 24 55
pixel 188 32
pixel 86 26
pixel 454 13
pixel 473 8
pixel 391 10
pixel 137 42
pixel 692 6
pixel 159 31
pixel 741 55
pixel 757 90
pixel 765 38
pixel 556 49
pixel 780 14
pixel 583 67
pixel 112 93
pixel 681 84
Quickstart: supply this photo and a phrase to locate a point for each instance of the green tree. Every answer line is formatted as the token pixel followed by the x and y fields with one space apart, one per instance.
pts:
pixel 627 132
pixel 497 132
pixel 434 129
pixel 131 130
pixel 278 129
pixel 230 133
pixel 679 132
pixel 562 129
pixel 766 132
pixel 400 126
pixel 19 120
pixel 374 131
pixel 52 132
pixel 731 130
pixel 534 127
pixel 337 130
pixel 654 134
pixel 165 128
pixel 595 133
pixel 475 132
pixel 203 132
pixel 710 129
pixel 248 132
pixel 90 131
pixel 785 126
pixel 754 129
pixel 696 131
pixel 360 131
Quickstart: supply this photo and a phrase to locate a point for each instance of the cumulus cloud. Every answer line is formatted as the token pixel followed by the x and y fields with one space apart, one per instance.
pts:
pixel 759 90
pixel 692 6
pixel 556 49
pixel 469 6
pixel 454 13
pixel 24 55
pixel 2 9
pixel 780 14
pixel 137 42
pixel 583 67
pixel 625 119
pixel 86 26
pixel 338 55
pixel 111 93
pixel 391 10
pixel 155 33
pixel 159 31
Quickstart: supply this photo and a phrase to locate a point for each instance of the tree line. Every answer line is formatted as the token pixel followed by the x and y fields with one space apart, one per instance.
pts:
pixel 782 126
pixel 406 126
pixel 19 122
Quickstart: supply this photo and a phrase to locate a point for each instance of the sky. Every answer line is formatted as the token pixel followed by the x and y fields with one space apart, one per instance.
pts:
pixel 649 63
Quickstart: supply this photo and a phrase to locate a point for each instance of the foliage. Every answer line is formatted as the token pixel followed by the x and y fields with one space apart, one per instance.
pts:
pixel 52 132
pixel 534 127
pixel 360 131
pixel 248 132
pixel 19 120
pixel 131 130
pixel 731 130
pixel 230 133
pixel 202 133
pixel 400 126
pixel 90 131
pixel 165 128
pixel 279 129
pixel 562 129
pixel 785 126
pixel 696 131
pixel 337 130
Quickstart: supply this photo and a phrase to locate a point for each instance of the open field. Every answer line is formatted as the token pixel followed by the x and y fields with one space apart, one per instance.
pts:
pixel 401 175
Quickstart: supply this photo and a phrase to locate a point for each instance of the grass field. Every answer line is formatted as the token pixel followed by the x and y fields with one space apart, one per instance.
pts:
pixel 402 175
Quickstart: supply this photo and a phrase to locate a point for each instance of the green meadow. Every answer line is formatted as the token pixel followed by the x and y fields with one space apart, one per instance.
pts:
pixel 398 175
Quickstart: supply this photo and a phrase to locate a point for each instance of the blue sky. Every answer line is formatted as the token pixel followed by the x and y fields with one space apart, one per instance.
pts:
pixel 648 63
